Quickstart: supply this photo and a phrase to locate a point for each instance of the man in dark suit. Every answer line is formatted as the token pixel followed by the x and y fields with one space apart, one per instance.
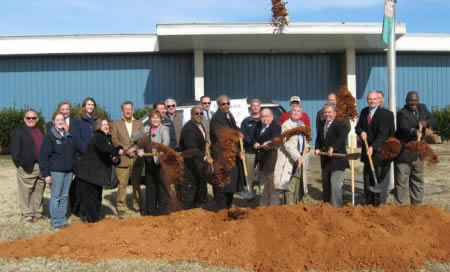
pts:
pixel 266 129
pixel 375 126
pixel 320 121
pixel 331 138
pixel 193 136
pixel 223 118
pixel 409 168
pixel 26 144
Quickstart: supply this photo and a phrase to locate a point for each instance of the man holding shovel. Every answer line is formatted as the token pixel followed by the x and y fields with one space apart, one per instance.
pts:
pixel 331 139
pixel 374 127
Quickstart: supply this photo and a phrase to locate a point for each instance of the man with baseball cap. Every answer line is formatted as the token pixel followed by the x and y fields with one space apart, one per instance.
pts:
pixel 295 100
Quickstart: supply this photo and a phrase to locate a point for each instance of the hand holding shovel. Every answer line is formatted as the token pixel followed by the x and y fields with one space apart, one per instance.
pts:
pixel 377 187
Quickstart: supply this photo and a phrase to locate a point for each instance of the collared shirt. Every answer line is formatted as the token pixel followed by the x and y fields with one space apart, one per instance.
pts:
pixel 201 129
pixel 207 115
pixel 372 112
pixel 129 125
pixel 300 137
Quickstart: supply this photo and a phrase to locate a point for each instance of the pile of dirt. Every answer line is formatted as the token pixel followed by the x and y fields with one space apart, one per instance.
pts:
pixel 283 238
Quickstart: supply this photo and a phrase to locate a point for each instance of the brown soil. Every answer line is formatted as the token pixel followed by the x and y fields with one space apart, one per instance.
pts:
pixel 283 238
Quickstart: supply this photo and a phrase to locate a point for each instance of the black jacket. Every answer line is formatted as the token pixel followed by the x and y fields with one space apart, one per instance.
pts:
pixel 336 138
pixel 23 148
pixel 95 165
pixel 407 125
pixel 272 131
pixel 192 138
pixel 218 122
pixel 378 131
pixel 248 127
pixel 57 153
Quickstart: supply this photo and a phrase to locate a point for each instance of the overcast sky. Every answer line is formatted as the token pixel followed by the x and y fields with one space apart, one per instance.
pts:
pixel 26 17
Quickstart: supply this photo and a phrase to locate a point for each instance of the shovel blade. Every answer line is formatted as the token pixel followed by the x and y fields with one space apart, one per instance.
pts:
pixel 248 195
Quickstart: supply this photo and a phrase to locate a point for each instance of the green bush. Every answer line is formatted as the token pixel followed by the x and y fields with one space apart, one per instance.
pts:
pixel 102 113
pixel 443 121
pixel 138 113
pixel 10 118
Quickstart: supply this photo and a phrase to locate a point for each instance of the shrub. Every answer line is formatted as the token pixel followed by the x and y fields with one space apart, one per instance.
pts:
pixel 102 113
pixel 10 118
pixel 443 121
pixel 138 113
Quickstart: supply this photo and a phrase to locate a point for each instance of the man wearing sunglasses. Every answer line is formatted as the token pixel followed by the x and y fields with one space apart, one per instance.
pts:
pixel 193 136
pixel 26 144
pixel 223 118
pixel 177 119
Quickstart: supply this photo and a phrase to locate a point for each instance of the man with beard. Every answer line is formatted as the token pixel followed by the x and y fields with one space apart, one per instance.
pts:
pixel 223 118
pixel 409 168
pixel 193 136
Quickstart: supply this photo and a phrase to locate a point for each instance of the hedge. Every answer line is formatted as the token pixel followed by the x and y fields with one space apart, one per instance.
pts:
pixel 442 116
pixel 10 118
pixel 138 113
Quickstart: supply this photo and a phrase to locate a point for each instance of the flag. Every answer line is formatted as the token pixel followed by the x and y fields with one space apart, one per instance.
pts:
pixel 387 21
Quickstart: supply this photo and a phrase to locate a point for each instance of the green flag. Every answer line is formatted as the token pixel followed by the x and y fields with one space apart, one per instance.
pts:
pixel 387 21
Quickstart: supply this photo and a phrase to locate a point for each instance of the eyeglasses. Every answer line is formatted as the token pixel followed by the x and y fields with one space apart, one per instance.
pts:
pixel 198 113
pixel 171 106
pixel 206 103
pixel 31 118
pixel 225 103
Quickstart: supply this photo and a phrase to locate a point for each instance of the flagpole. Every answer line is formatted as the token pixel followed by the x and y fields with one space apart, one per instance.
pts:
pixel 391 60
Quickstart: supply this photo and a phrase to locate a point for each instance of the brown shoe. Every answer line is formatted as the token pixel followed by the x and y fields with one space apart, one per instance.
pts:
pixel 120 214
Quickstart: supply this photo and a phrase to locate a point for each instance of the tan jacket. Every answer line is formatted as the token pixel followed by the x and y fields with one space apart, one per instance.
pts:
pixel 120 136
pixel 288 154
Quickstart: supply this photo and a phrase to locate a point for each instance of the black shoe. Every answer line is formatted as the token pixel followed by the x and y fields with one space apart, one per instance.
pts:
pixel 60 227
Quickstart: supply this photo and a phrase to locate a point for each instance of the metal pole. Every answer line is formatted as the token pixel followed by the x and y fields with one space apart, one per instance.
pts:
pixel 391 60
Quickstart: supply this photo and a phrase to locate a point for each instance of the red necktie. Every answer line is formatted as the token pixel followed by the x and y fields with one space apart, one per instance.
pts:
pixel 369 118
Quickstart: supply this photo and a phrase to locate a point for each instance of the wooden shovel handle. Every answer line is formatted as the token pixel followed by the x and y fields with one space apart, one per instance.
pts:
pixel 241 143
pixel 370 157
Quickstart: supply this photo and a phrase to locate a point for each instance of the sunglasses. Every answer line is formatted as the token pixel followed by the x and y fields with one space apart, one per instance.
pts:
pixel 171 106
pixel 226 103
pixel 31 118
pixel 206 103
pixel 198 113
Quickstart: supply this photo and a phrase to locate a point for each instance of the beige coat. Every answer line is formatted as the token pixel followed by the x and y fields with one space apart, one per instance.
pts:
pixel 120 137
pixel 288 154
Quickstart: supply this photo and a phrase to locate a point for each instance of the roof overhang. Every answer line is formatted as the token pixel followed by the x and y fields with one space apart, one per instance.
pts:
pixel 78 44
pixel 297 37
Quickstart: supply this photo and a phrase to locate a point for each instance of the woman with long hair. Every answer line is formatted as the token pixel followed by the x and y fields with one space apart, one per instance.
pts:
pixel 56 162
pixel 82 130
pixel 157 196
pixel 94 170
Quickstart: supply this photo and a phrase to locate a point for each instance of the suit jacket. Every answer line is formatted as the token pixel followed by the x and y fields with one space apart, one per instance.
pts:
pixel 377 132
pixel 192 138
pixel 205 123
pixel 336 138
pixel 263 156
pixel 218 122
pixel 177 126
pixel 23 148
pixel 287 155
pixel 120 137
pixel 161 135
pixel 407 125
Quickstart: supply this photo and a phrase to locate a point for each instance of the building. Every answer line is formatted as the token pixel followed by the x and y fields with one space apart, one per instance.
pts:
pixel 185 61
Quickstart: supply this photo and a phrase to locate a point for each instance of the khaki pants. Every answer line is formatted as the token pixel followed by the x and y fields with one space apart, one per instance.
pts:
pixel 250 163
pixel 295 191
pixel 409 177
pixel 30 189
pixel 123 174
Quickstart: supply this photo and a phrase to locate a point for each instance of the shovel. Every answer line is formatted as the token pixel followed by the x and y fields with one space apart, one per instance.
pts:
pixel 351 156
pixel 208 153
pixel 377 187
pixel 250 194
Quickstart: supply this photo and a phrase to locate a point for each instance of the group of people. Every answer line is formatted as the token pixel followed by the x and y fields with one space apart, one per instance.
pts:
pixel 75 156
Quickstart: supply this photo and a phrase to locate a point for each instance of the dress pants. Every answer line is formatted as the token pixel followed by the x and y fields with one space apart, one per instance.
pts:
pixel 409 176
pixel 332 187
pixel 91 200
pixel 156 191
pixel 30 190
pixel 133 172
pixel 382 174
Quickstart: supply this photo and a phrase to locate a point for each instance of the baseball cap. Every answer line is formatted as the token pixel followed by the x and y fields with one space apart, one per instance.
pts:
pixel 295 99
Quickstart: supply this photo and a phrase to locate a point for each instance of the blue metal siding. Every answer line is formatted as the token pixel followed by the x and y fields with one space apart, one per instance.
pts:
pixel 274 76
pixel 428 74
pixel 42 81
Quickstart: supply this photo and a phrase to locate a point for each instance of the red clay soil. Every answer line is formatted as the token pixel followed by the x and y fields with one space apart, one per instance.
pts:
pixel 283 238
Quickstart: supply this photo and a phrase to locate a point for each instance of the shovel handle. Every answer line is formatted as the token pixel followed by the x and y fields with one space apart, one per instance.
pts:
pixel 152 154
pixel 370 157
pixel 338 155
pixel 419 133
pixel 241 143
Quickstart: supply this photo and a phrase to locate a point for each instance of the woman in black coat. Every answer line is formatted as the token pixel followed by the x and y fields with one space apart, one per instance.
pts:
pixel 94 170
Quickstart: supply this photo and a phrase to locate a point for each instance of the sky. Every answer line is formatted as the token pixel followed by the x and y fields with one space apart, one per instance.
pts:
pixel 42 17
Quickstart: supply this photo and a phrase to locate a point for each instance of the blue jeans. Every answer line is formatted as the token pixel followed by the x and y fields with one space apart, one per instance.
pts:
pixel 59 194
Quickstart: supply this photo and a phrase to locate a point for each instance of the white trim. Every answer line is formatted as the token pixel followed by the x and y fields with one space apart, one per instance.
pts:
pixel 424 42
pixel 77 44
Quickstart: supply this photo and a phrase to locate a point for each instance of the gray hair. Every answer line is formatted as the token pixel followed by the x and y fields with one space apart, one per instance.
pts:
pixel 30 110
pixel 371 92
pixel 268 110
pixel 168 99
pixel 329 105
pixel 220 98
pixel 255 100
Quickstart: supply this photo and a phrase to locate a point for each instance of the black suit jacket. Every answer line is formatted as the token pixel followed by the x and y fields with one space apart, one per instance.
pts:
pixel 379 129
pixel 407 125
pixel 23 148
pixel 192 138
pixel 272 131
pixel 336 138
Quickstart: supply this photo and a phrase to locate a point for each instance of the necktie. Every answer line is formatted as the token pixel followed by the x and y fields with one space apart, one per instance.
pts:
pixel 369 118
pixel 300 138
pixel 202 130
pixel 327 126
pixel 262 130
pixel 208 116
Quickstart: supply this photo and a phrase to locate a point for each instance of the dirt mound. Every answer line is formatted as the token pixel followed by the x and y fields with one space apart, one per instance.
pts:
pixel 284 238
